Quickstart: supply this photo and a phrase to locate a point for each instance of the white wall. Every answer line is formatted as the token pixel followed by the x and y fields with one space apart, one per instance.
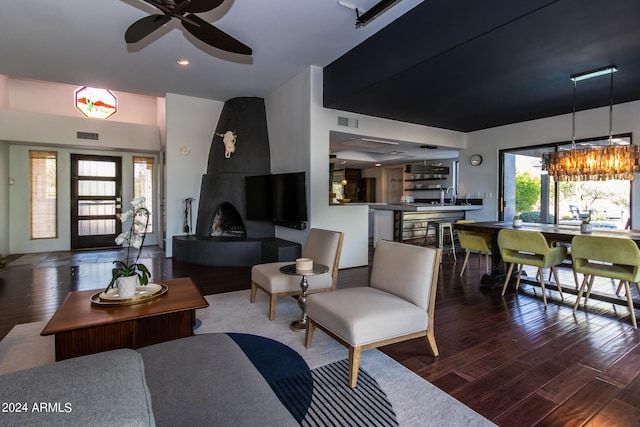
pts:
pixel 58 99
pixel 19 234
pixel 191 122
pixel 288 123
pixel 590 123
pixel 40 115
pixel 177 121
pixel 353 219
pixel 4 173
pixel 49 129
pixel 4 198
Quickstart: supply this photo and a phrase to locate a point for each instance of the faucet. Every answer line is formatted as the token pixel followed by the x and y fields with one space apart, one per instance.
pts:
pixel 453 194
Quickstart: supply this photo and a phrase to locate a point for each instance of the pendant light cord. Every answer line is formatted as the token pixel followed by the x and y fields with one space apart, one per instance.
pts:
pixel 611 111
pixel 573 117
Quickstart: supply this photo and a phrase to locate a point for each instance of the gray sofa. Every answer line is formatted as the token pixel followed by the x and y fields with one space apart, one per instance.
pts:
pixel 200 380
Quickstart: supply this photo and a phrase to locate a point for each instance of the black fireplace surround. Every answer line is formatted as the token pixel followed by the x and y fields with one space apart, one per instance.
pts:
pixel 223 235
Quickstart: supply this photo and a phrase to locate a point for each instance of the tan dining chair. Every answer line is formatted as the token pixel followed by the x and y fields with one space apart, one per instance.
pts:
pixel 611 257
pixel 526 247
pixel 323 247
pixel 474 241
pixel 397 305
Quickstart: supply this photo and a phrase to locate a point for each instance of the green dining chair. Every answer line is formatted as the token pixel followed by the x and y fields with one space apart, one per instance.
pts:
pixel 530 248
pixel 611 257
pixel 474 241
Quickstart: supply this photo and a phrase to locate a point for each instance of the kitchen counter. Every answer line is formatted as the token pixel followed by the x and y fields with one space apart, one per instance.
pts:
pixel 408 221
pixel 425 207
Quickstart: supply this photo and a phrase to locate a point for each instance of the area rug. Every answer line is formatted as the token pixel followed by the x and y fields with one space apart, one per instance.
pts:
pixel 414 401
pixel 320 396
pixel 24 347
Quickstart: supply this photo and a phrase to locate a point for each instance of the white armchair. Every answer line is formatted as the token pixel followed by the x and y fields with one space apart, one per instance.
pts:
pixel 397 305
pixel 323 247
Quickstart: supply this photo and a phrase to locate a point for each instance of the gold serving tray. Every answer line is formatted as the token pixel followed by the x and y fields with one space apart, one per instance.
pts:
pixel 142 295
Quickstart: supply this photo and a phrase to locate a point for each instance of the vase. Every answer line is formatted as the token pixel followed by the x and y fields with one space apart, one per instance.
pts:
pixel 127 286
pixel 517 223
pixel 585 228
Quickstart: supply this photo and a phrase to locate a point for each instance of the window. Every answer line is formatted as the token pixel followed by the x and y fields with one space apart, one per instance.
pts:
pixel 534 195
pixel 43 189
pixel 143 184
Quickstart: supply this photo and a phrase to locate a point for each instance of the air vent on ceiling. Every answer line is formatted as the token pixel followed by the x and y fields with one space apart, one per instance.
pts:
pixel 348 122
pixel 93 136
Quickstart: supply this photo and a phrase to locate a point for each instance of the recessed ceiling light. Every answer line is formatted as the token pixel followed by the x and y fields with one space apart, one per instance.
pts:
pixel 183 62
pixel 378 165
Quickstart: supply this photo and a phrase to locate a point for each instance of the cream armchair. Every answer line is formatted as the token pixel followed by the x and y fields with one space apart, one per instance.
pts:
pixel 397 305
pixel 323 247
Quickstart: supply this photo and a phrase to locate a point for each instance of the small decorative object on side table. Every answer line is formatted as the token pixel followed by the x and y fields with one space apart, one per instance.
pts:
pixel 128 276
pixel 585 226
pixel 291 269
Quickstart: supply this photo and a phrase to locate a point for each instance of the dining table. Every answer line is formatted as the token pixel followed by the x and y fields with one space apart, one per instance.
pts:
pixel 559 233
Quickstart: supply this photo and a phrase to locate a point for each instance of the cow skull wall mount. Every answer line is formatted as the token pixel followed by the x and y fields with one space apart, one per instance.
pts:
pixel 229 140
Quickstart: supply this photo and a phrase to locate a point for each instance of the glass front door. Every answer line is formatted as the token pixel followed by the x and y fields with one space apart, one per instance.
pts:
pixel 96 201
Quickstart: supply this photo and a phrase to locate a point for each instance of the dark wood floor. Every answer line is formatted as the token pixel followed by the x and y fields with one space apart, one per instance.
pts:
pixel 508 358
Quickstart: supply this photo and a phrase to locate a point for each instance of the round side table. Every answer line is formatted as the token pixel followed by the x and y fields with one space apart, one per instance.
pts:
pixel 291 270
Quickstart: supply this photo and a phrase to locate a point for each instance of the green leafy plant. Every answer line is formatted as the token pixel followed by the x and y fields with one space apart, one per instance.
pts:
pixel 585 221
pixel 527 191
pixel 132 238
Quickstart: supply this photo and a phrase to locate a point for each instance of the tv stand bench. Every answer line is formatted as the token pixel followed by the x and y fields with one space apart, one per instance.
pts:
pixel 233 251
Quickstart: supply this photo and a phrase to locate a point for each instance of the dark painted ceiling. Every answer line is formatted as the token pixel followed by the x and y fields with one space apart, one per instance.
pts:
pixel 467 65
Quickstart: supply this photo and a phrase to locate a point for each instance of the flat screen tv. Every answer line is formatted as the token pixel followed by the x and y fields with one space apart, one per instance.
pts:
pixel 281 198
pixel 289 197
pixel 258 197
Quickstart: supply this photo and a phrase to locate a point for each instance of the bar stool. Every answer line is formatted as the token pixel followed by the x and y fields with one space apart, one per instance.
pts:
pixel 439 227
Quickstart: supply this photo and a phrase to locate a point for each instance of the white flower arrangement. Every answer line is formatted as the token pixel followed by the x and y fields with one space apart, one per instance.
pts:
pixel 132 238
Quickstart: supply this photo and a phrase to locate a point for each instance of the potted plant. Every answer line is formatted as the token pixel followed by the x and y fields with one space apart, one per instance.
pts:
pixel 127 275
pixel 585 226
pixel 517 222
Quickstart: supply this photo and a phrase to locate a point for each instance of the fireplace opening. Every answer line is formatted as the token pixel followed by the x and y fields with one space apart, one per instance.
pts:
pixel 227 222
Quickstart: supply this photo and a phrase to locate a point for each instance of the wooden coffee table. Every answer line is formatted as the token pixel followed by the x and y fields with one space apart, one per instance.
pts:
pixel 81 327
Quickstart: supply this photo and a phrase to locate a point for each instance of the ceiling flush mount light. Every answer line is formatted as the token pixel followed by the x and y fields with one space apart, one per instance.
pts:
pixel 596 163
pixel 96 103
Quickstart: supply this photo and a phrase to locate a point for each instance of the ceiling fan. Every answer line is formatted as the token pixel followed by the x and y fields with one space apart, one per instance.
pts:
pixel 184 11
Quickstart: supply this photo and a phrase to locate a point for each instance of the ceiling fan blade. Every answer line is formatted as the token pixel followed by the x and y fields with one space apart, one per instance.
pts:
pixel 213 36
pixel 198 6
pixel 145 26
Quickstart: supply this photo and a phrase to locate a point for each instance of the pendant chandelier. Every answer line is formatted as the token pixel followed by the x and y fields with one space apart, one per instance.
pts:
pixel 596 163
